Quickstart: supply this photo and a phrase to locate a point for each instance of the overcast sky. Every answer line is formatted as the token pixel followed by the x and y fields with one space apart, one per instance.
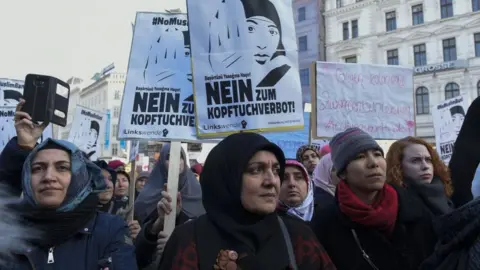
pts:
pixel 65 38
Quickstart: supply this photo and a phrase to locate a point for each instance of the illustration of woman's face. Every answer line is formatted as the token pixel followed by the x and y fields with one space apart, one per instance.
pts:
pixel 457 122
pixel 92 137
pixel 265 36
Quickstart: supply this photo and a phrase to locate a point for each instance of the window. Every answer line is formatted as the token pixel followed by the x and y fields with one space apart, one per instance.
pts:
pixel 351 59
pixel 391 21
pixel 345 31
pixel 305 76
pixel 417 14
pixel 339 4
pixel 422 102
pixel 420 55
pixel 302 43
pixel 354 28
pixel 114 149
pixel 449 50
pixel 476 38
pixel 117 95
pixel 116 112
pixel 478 88
pixel 392 57
pixel 301 14
pixel 475 5
pixel 452 90
pixel 114 130
pixel 446 8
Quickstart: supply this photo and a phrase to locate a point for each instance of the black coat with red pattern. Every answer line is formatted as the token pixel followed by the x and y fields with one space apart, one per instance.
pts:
pixel 181 250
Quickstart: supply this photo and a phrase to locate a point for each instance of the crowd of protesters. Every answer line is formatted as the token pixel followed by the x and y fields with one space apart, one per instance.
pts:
pixel 347 206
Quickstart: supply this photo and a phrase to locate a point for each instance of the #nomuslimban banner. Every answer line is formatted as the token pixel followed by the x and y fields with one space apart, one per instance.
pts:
pixel 375 98
pixel 245 66
pixel 448 119
pixel 10 93
pixel 158 97
pixel 87 129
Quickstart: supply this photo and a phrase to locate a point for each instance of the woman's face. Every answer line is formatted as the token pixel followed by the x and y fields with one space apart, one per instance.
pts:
pixel 367 172
pixel 106 195
pixel 265 37
pixel 261 183
pixel 121 186
pixel 294 187
pixel 310 160
pixel 182 164
pixel 417 163
pixel 457 121
pixel 140 183
pixel 51 175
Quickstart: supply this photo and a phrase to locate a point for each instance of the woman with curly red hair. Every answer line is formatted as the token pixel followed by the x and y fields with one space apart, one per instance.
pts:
pixel 415 165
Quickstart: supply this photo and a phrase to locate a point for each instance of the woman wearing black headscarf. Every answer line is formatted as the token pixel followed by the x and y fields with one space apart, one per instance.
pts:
pixel 240 183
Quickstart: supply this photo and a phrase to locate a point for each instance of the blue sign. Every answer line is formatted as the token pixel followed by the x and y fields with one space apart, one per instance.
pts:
pixel 107 130
pixel 290 141
pixel 123 145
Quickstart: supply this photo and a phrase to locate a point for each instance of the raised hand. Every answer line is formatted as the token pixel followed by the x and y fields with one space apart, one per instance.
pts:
pixel 164 207
pixel 227 42
pixel 166 59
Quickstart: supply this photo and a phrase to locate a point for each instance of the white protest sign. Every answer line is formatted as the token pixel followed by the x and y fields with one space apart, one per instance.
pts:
pixel 10 93
pixel 448 119
pixel 377 99
pixel 87 129
pixel 158 98
pixel 7 126
pixel 245 62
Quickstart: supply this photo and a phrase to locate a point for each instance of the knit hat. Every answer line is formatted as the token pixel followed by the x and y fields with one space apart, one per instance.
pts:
pixel 293 162
pixel 325 150
pixel 114 164
pixel 348 144
pixel 303 149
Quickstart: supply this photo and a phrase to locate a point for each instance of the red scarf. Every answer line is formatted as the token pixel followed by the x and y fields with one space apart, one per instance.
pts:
pixel 381 215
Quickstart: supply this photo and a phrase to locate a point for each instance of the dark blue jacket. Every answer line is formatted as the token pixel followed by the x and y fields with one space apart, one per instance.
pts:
pixel 105 240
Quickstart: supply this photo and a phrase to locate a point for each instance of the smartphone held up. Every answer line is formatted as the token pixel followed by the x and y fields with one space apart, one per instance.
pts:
pixel 46 99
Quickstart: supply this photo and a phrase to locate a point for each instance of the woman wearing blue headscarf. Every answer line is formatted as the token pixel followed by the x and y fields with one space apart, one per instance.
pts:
pixel 59 205
pixel 60 198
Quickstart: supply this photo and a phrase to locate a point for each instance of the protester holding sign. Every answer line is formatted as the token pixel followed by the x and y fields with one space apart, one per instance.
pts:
pixel 241 182
pixel 412 163
pixel 188 186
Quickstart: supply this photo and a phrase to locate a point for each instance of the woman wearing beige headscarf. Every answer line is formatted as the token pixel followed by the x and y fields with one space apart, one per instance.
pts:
pixel 325 181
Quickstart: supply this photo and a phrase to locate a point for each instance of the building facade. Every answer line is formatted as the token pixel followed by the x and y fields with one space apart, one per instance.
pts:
pixel 310 30
pixel 440 39
pixel 105 95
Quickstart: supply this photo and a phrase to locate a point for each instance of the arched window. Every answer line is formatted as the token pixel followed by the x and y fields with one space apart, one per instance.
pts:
pixel 422 101
pixel 478 88
pixel 452 90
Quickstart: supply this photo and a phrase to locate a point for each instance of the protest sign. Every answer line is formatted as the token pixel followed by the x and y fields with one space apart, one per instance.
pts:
pixel 245 62
pixel 377 99
pixel 7 125
pixel 10 93
pixel 158 99
pixel 448 119
pixel 87 127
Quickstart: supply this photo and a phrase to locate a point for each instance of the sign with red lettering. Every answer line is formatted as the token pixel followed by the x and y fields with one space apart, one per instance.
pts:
pixel 375 98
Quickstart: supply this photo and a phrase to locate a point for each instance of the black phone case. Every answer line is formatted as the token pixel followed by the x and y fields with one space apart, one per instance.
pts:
pixel 41 99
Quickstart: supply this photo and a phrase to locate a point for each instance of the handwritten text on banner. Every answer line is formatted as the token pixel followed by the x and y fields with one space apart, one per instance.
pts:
pixel 377 99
